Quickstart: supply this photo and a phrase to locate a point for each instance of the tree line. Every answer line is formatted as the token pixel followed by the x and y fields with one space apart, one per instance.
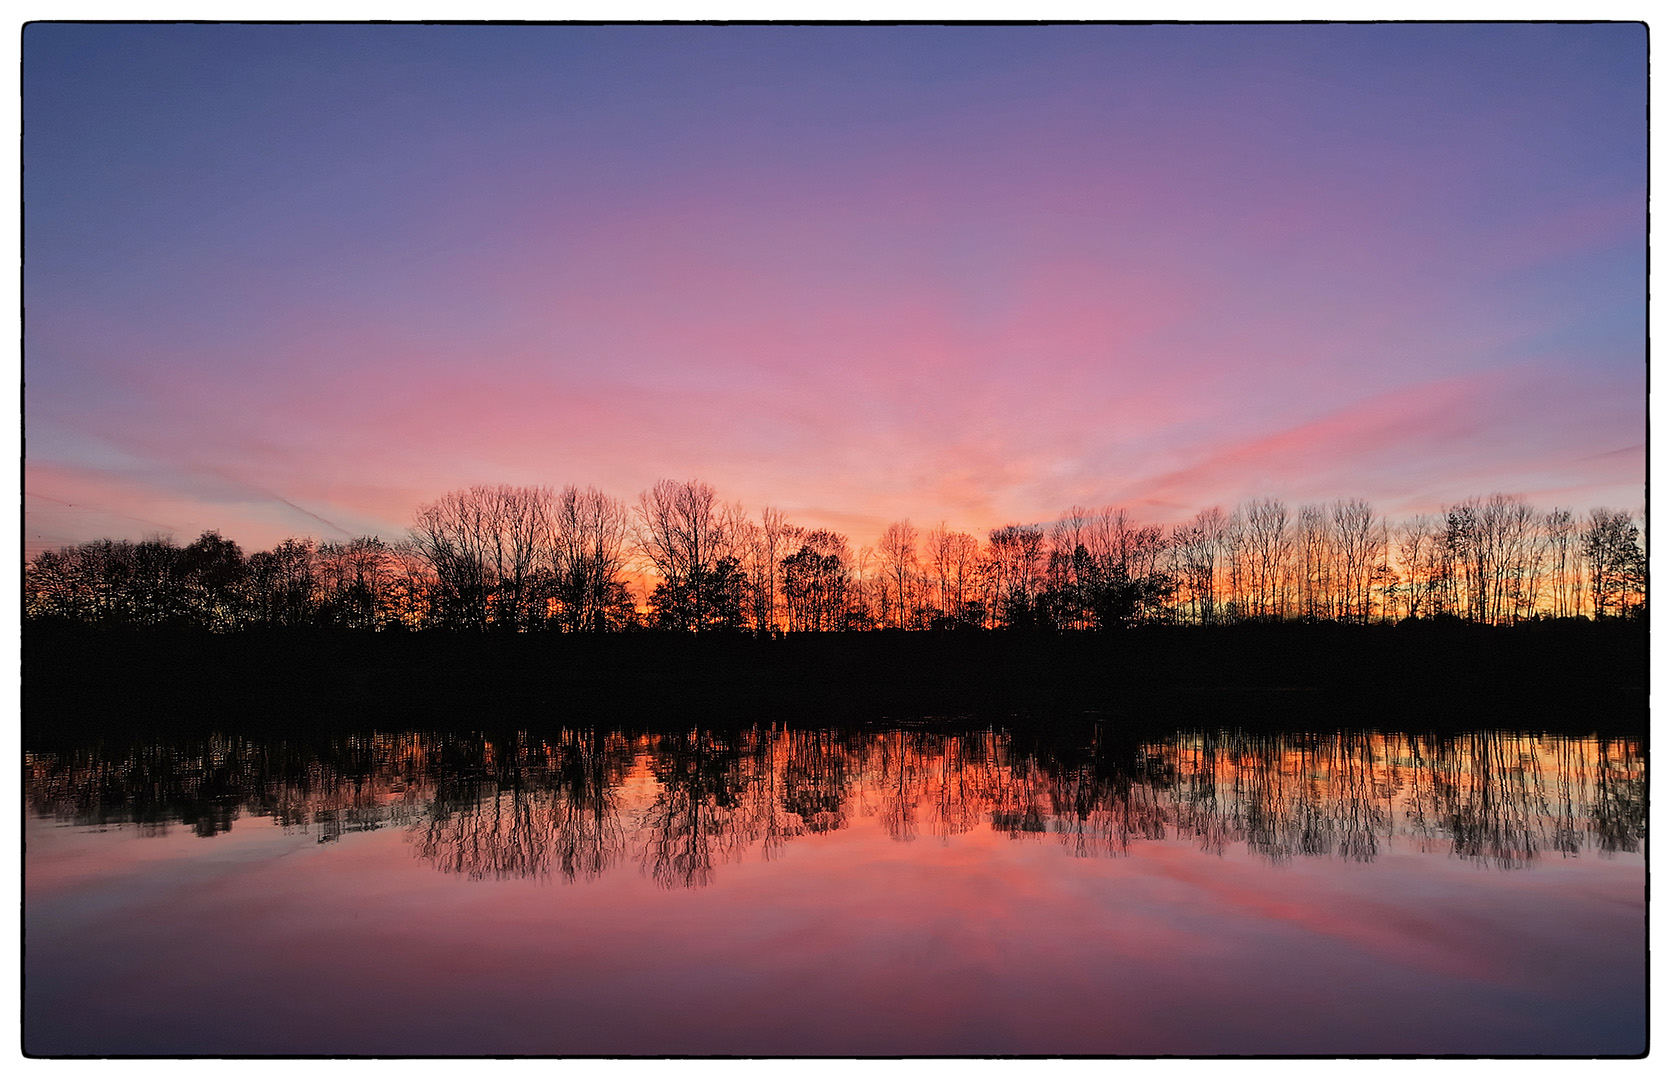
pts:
pixel 506 558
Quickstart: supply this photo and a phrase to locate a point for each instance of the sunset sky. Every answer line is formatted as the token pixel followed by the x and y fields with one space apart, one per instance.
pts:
pixel 297 280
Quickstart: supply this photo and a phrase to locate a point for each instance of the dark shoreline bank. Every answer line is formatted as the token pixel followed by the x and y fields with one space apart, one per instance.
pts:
pixel 1556 676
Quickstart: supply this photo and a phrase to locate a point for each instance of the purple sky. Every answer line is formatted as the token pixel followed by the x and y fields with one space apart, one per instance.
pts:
pixel 297 280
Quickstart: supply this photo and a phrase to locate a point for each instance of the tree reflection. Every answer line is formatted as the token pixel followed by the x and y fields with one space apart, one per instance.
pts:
pixel 525 809
pixel 696 818
pixel 817 778
pixel 574 804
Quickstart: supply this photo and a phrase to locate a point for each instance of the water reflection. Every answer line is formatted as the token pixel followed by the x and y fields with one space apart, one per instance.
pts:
pixel 581 803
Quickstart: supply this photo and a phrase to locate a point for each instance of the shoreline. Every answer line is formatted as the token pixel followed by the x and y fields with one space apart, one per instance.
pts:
pixel 1561 676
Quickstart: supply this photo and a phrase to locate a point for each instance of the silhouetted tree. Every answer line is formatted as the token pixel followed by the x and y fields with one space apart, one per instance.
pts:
pixel 519 558
pixel 211 574
pixel 1561 533
pixel 955 559
pixel 706 598
pixel 1418 554
pixel 1015 555
pixel 486 546
pixel 284 583
pixel 762 548
pixel 900 575
pixel 1197 545
pixel 1357 555
pixel 680 533
pixel 354 583
pixel 815 582
pixel 1614 562
pixel 1314 549
pixel 588 555
pixel 1267 548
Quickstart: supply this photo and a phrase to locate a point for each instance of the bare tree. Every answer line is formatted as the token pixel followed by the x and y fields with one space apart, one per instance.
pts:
pixel 1016 554
pixel 588 555
pixel 1491 555
pixel 680 533
pixel 955 558
pixel 451 533
pixel 760 548
pixel 866 594
pixel 1070 569
pixel 1613 562
pixel 1315 551
pixel 1236 558
pixel 937 568
pixel 520 545
pixel 413 587
pixel 285 584
pixel 1196 545
pixel 1561 535
pixel 1417 546
pixel 354 579
pixel 1357 556
pixel 1524 557
pixel 485 545
pixel 1269 547
pixel 898 548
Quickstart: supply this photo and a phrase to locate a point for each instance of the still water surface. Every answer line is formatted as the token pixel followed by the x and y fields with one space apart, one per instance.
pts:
pixel 911 889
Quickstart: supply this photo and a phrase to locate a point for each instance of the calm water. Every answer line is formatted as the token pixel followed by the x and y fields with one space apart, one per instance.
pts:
pixel 905 891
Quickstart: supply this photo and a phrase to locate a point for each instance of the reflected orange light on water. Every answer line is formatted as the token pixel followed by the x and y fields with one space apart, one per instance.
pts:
pixel 684 805
pixel 773 890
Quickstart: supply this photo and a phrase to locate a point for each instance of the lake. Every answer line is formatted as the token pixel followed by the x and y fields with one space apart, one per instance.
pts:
pixel 925 887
